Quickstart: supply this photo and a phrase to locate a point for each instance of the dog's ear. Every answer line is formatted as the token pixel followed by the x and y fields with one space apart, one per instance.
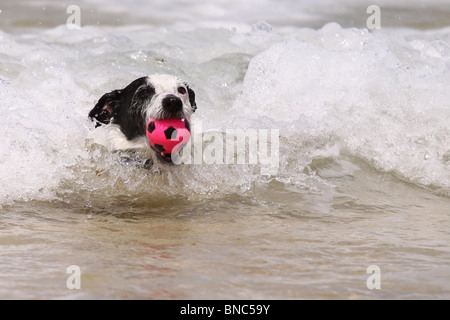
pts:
pixel 191 94
pixel 106 108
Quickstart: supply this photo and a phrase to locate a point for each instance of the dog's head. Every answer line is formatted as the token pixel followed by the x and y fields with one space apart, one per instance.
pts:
pixel 172 98
pixel 156 96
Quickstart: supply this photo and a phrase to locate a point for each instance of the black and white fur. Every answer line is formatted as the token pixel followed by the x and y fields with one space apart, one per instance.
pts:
pixel 127 111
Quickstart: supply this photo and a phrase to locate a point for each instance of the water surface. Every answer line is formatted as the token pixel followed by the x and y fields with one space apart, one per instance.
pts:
pixel 364 162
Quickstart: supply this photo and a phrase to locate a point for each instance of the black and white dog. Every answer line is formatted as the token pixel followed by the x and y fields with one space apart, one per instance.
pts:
pixel 128 110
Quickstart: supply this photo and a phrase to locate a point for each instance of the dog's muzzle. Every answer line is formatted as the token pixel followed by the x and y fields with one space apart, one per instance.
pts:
pixel 172 104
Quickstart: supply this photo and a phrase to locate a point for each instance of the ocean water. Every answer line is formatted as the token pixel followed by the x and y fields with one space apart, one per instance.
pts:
pixel 360 173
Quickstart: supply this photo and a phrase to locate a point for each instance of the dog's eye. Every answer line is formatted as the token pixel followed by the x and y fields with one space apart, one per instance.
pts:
pixel 181 90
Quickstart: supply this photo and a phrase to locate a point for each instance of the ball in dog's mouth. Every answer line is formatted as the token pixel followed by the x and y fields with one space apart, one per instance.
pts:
pixel 168 136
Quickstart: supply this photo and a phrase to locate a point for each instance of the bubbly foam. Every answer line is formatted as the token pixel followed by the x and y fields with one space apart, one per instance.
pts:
pixel 379 96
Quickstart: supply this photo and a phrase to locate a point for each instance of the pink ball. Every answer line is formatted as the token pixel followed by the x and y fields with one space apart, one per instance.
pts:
pixel 168 135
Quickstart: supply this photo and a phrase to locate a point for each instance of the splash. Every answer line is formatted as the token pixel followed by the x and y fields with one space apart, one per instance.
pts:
pixel 380 96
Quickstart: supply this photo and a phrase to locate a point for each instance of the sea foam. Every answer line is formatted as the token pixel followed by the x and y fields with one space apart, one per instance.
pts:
pixel 380 96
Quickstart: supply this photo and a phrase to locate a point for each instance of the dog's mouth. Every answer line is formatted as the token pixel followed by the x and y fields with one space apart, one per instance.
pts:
pixel 168 137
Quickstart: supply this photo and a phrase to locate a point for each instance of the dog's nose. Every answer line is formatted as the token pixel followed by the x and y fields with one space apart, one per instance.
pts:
pixel 172 103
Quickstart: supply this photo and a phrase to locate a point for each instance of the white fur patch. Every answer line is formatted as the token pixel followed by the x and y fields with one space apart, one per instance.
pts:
pixel 118 141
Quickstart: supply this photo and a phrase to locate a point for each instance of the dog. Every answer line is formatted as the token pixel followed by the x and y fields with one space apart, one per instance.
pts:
pixel 127 111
